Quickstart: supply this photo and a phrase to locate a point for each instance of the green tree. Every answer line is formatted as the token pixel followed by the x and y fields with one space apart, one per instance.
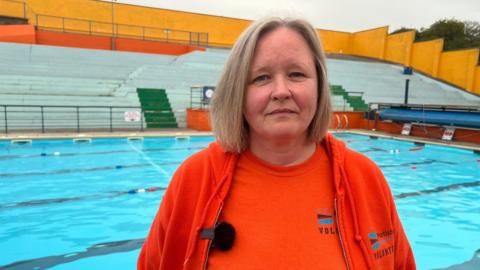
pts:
pixel 452 31
pixel 402 30
pixel 456 34
pixel 472 33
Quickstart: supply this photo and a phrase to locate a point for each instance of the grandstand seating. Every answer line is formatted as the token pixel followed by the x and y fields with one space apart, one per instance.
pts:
pixel 383 82
pixel 46 75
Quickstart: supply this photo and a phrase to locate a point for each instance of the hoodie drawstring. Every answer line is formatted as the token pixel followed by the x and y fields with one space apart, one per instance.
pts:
pixel 358 236
pixel 192 244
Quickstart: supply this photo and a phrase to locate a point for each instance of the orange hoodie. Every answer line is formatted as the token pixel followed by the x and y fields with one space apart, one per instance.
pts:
pixel 370 231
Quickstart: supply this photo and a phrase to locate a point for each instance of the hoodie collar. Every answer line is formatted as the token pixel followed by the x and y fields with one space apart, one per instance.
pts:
pixel 223 164
pixel 336 150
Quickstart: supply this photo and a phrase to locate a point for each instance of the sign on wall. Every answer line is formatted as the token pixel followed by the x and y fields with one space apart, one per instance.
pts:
pixel 407 128
pixel 448 134
pixel 132 116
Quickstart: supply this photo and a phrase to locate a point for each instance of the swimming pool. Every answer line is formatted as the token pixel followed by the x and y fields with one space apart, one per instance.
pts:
pixel 89 205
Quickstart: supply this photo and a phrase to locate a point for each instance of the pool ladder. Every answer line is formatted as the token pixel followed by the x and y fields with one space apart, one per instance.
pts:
pixel 339 121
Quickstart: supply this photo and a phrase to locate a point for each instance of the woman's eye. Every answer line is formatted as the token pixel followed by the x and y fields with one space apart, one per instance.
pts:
pixel 297 75
pixel 261 78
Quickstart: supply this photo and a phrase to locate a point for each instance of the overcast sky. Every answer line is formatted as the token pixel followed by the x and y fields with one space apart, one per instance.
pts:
pixel 341 15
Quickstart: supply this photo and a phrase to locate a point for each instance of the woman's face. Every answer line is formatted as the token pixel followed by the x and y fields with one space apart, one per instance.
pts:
pixel 281 94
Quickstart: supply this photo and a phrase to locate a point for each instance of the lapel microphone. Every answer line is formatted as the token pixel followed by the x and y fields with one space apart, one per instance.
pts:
pixel 222 236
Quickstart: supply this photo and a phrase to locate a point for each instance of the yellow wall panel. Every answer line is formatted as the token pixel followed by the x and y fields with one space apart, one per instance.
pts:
pixel 221 30
pixel 426 56
pixel 335 41
pixel 79 9
pixel 399 46
pixel 12 8
pixel 458 67
pixel 476 86
pixel 370 43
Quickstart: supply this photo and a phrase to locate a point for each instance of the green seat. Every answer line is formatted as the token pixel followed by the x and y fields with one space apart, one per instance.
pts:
pixel 356 102
pixel 156 108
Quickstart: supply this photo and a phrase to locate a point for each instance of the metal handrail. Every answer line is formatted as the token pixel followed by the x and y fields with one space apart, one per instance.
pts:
pixel 20 3
pixel 168 35
pixel 351 92
pixel 434 107
pixel 356 93
pixel 64 117
pixel 197 98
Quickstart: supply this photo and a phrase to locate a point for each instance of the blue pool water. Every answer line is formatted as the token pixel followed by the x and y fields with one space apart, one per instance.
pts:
pixel 65 205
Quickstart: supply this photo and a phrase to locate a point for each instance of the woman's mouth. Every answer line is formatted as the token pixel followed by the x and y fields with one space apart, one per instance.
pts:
pixel 281 111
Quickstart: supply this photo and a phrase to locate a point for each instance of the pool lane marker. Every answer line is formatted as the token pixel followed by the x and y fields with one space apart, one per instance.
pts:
pixel 157 165
pixel 425 162
pixel 76 170
pixel 80 198
pixel 438 189
pixel 374 149
pixel 92 251
pixel 5 157
pixel 107 248
pixel 113 247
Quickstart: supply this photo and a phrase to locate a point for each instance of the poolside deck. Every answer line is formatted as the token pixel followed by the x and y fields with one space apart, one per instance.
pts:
pixel 190 132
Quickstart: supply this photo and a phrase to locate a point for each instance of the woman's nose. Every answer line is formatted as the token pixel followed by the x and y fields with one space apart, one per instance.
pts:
pixel 281 89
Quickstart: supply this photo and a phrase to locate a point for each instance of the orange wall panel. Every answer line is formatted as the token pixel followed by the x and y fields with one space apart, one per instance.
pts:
pixel 198 119
pixel 135 45
pixel 458 67
pixel 105 43
pixel 426 56
pixel 73 40
pixel 335 41
pixel 370 43
pixel 17 34
pixel 347 120
pixel 399 47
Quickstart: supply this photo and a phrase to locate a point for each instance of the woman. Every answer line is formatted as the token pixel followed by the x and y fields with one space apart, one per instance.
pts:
pixel 276 191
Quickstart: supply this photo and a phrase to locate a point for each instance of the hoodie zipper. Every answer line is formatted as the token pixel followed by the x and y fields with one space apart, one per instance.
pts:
pixel 207 253
pixel 340 234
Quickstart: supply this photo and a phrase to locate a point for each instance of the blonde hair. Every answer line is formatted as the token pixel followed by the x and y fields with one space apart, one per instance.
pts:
pixel 226 108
